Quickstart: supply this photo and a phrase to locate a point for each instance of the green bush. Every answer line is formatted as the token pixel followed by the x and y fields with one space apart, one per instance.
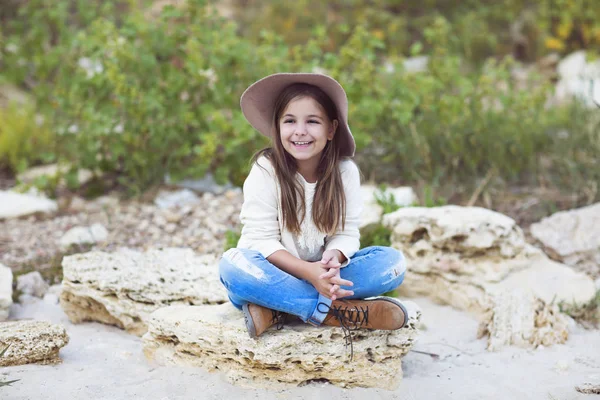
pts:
pixel 138 97
pixel 480 28
pixel 24 138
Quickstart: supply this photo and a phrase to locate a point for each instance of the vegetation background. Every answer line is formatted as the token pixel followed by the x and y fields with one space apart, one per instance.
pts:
pixel 134 90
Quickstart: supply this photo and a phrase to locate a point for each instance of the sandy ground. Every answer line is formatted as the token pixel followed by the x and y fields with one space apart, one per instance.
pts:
pixel 103 362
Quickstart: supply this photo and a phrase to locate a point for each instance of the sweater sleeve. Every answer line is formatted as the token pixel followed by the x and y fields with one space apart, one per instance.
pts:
pixel 347 240
pixel 259 215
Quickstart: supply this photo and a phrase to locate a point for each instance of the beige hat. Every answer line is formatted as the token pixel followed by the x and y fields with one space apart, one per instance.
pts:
pixel 258 103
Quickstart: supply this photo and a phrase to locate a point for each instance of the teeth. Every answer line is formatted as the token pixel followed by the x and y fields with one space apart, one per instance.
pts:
pixel 301 143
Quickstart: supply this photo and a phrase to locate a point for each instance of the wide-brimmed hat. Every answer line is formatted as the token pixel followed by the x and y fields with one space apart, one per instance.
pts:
pixel 258 103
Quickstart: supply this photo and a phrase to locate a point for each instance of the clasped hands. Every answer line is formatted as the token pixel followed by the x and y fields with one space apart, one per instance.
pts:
pixel 326 276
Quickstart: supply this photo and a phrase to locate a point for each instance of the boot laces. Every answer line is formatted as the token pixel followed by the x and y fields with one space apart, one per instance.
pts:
pixel 350 319
pixel 279 319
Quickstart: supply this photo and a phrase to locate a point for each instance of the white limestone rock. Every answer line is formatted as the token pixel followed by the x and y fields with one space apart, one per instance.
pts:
pixel 572 237
pixel 518 318
pixel 215 338
pixel 32 284
pixel 14 205
pixel 81 235
pixel 402 196
pixel 52 171
pixel 31 341
pixel 578 76
pixel 124 287
pixel 6 279
pixel 180 198
pixel 465 256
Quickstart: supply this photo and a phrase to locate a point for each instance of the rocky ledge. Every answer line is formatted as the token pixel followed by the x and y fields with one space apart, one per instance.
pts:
pixel 215 338
pixel 124 287
pixel 478 260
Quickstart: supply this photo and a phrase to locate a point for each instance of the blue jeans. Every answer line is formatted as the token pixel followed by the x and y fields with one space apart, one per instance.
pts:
pixel 251 278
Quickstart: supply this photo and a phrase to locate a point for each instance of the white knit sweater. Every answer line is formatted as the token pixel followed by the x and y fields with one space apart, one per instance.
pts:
pixel 261 216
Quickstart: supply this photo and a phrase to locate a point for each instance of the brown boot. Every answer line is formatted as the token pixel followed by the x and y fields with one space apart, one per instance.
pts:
pixel 259 319
pixel 384 313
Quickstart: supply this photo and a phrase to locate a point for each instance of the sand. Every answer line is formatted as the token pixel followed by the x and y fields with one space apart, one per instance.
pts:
pixel 103 362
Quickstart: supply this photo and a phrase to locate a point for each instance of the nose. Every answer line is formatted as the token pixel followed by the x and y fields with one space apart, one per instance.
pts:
pixel 300 129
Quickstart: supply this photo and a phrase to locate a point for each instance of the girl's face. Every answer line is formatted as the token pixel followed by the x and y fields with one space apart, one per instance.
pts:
pixel 304 129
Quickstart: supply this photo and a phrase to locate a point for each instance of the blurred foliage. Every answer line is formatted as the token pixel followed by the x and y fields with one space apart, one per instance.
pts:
pixel 232 237
pixel 525 29
pixel 375 234
pixel 386 200
pixel 587 314
pixel 24 138
pixel 137 94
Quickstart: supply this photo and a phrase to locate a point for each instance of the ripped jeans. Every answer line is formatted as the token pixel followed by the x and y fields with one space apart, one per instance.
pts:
pixel 251 278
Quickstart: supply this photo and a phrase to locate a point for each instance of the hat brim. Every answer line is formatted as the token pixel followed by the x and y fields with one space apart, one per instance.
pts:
pixel 258 103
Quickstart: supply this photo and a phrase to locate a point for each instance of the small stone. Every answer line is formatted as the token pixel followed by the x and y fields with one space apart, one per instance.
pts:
pixel 6 279
pixel 13 205
pixel 81 235
pixel 171 216
pixel 160 221
pixel 32 284
pixel 170 228
pixel 31 342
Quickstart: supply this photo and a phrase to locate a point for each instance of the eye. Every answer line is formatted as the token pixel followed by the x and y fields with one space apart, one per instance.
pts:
pixel 287 121
pixel 313 121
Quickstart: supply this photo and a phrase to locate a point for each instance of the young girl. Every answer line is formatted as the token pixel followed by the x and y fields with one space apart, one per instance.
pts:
pixel 299 250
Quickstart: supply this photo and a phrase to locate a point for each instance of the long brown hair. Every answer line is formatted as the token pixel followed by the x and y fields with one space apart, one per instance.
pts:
pixel 329 202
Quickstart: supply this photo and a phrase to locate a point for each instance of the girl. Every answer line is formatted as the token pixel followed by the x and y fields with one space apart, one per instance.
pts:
pixel 299 249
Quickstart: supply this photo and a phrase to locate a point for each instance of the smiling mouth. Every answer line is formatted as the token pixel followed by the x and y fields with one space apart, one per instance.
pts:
pixel 301 143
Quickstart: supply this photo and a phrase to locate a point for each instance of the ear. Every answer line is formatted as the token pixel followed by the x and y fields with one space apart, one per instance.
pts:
pixel 333 130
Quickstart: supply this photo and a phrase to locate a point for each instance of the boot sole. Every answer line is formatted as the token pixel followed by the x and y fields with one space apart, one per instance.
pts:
pixel 396 302
pixel 248 320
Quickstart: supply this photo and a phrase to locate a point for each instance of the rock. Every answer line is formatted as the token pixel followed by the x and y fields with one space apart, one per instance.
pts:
pixel 402 196
pixel 572 237
pixel 52 171
pixel 465 256
pixel 6 280
pixel 31 342
pixel 124 287
pixel 32 284
pixel 204 185
pixel 10 94
pixel 13 204
pixel 416 64
pixel 588 388
pixel 577 78
pixel 166 200
pixel 81 235
pixel 215 338
pixel 518 318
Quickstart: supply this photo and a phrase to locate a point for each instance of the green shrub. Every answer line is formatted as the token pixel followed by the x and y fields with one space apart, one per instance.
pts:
pixel 232 237
pixel 136 97
pixel 24 139
pixel 387 201
pixel 375 234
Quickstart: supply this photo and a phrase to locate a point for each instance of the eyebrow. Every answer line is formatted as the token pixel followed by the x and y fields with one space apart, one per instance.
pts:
pixel 309 116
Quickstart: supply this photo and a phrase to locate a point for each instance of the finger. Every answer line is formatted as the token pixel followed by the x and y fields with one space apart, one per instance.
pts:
pixel 334 289
pixel 326 258
pixel 329 274
pixel 334 264
pixel 344 293
pixel 341 282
